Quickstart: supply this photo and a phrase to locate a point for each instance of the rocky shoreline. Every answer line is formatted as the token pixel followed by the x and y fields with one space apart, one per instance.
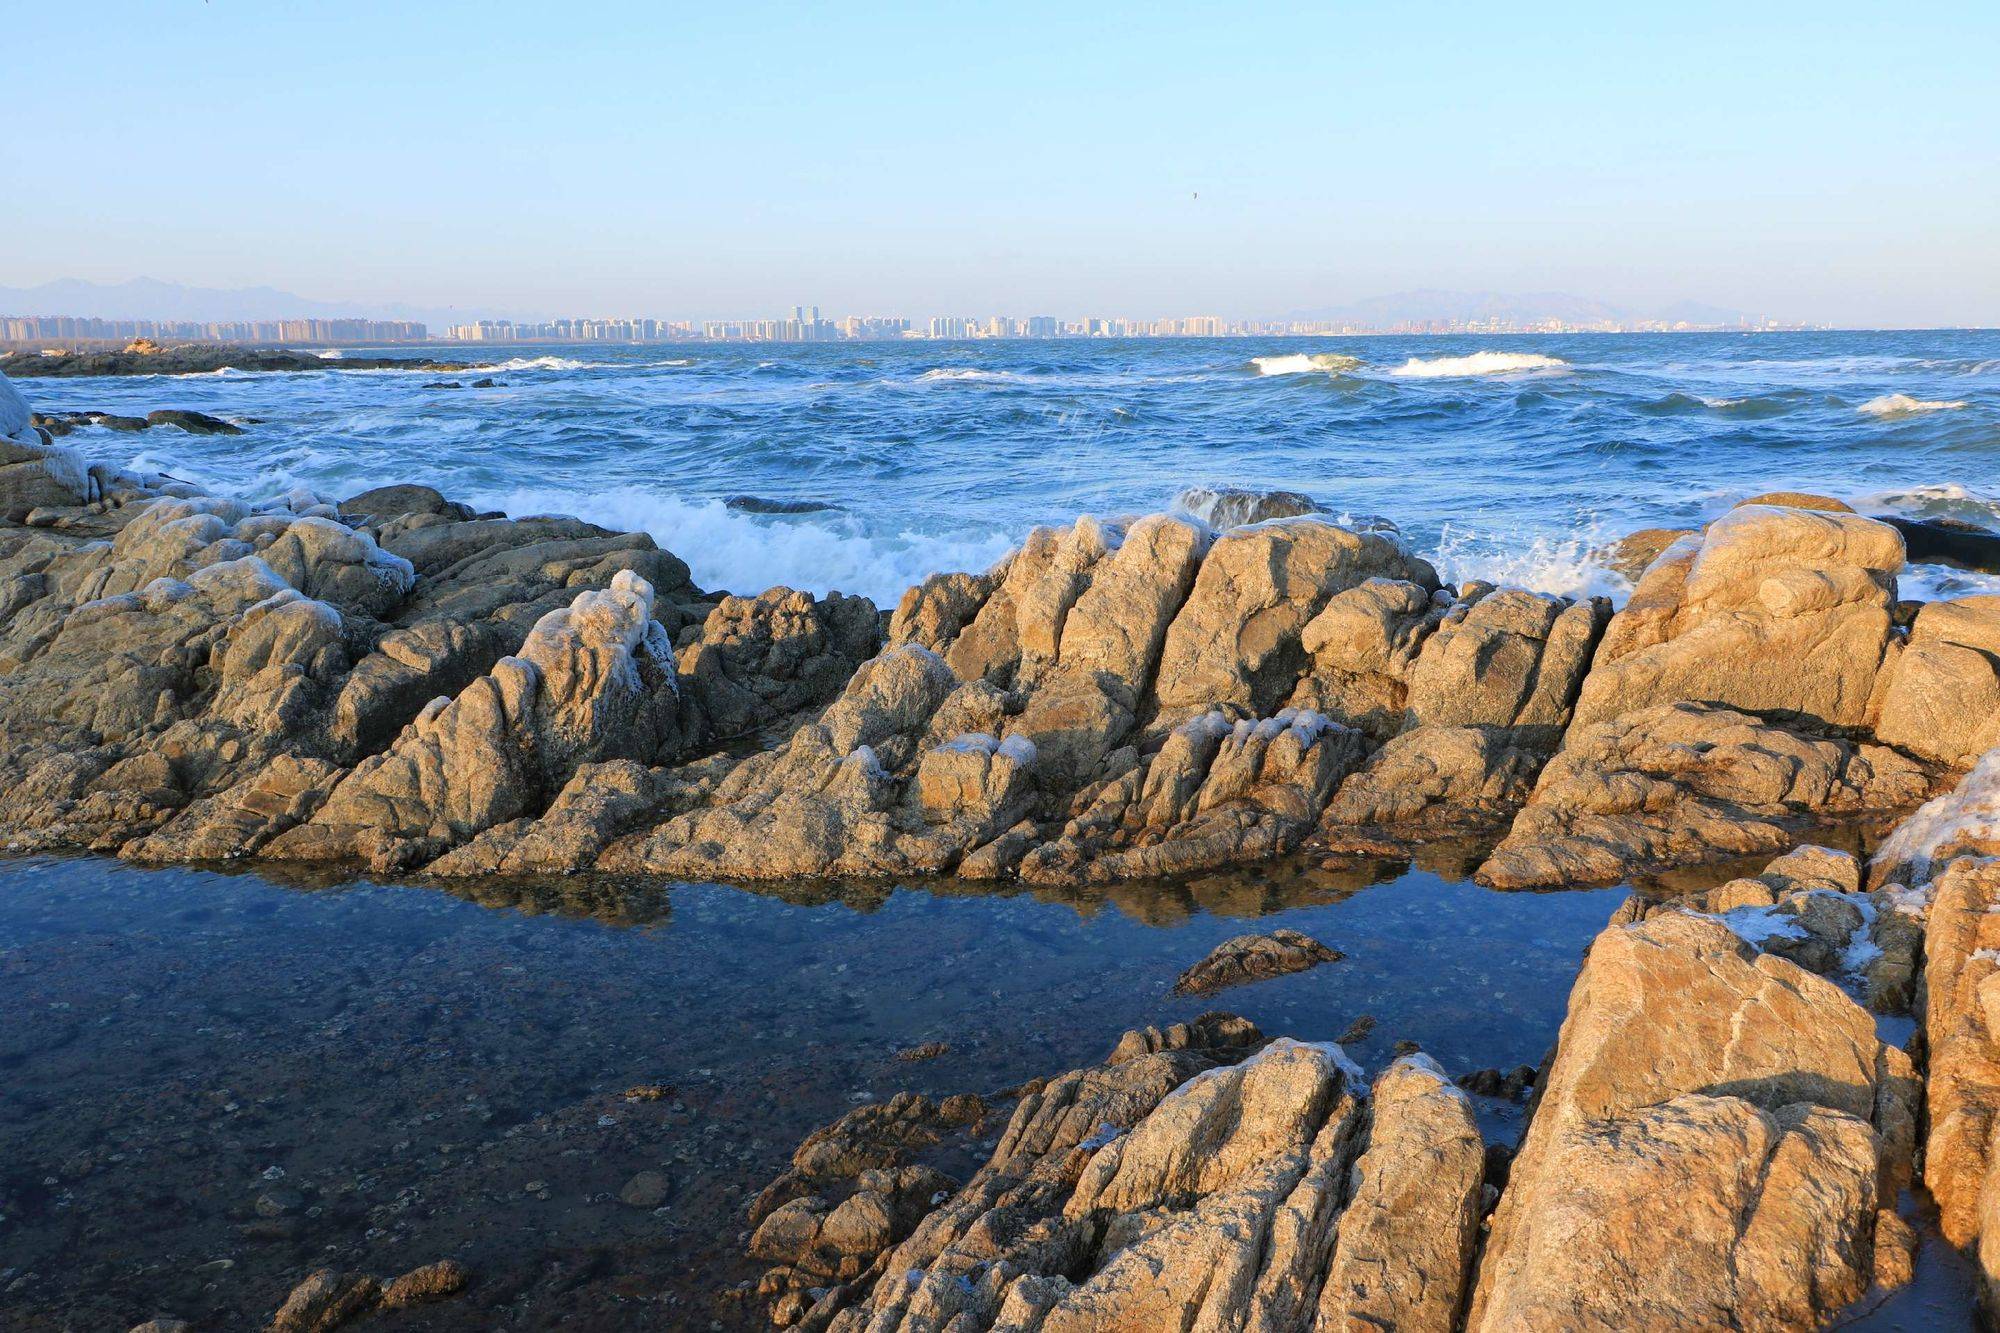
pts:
pixel 395 683
pixel 201 359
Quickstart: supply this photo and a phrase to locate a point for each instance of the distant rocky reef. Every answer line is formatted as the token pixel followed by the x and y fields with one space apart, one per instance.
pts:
pixel 394 682
pixel 145 358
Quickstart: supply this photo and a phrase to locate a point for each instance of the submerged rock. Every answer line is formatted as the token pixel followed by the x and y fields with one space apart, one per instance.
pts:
pixel 1242 959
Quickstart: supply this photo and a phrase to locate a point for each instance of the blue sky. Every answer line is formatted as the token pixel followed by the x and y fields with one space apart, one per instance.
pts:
pixel 1831 161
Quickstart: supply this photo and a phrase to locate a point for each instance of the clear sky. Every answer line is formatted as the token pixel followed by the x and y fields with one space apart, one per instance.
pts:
pixel 1828 161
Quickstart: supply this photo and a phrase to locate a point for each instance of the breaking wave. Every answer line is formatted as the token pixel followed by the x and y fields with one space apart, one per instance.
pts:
pixel 1305 363
pixel 543 363
pixel 1901 404
pixel 964 373
pixel 1479 363
pixel 1571 565
pixel 1939 500
pixel 746 553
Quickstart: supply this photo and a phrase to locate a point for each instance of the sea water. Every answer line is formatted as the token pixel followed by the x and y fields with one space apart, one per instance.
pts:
pixel 1505 458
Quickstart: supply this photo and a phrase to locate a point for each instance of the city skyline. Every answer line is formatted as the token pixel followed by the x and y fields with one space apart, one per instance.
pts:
pixel 804 325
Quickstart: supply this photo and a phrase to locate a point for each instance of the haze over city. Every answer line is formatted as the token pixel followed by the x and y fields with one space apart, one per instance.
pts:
pixel 689 163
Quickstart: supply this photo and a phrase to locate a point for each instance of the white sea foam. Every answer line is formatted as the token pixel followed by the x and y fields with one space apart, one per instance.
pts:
pixel 747 553
pixel 1479 363
pixel 1945 499
pixel 1304 363
pixel 1566 566
pixel 1901 404
pixel 543 363
pixel 964 373
pixel 330 354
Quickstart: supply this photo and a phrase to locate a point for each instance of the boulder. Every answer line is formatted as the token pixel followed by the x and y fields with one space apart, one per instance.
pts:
pixel 1717 1140
pixel 1943 696
pixel 35 472
pixel 1242 959
pixel 1238 638
pixel 1773 610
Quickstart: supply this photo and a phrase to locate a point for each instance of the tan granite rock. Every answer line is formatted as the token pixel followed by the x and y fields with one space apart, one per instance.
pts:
pixel 1713 1146
pixel 1774 610
pixel 1682 784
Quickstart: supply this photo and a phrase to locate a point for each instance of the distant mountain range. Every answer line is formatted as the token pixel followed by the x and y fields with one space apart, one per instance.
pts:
pixel 149 298
pixel 1429 305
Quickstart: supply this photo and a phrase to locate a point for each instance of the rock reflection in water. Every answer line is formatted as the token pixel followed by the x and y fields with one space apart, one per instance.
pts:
pixel 211 1084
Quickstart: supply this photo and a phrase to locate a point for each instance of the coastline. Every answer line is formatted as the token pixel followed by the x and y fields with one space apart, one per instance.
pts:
pixel 395 683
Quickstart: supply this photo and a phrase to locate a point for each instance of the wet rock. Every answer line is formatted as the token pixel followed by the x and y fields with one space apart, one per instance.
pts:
pixel 1806 906
pixel 326 1300
pixel 194 423
pixel 420 1286
pixel 384 503
pixel 162 1324
pixel 1682 784
pixel 757 504
pixel 1715 1143
pixel 1772 610
pixel 1233 507
pixel 1633 554
pixel 1948 542
pixel 647 1189
pixel 1242 959
pixel 35 471
pixel 1963 821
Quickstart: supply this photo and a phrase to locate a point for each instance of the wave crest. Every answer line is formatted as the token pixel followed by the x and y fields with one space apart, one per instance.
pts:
pixel 964 373
pixel 1478 363
pixel 544 363
pixel 1305 363
pixel 746 553
pixel 1901 404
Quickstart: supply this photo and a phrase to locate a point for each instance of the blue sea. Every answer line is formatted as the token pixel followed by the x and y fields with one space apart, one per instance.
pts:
pixel 1508 458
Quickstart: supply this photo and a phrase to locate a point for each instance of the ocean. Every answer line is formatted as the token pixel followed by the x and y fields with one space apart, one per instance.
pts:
pixel 1506 458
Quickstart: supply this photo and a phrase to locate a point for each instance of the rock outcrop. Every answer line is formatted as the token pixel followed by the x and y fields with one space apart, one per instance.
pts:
pixel 1685 783
pixel 397 680
pixel 1179 1184
pixel 1717 1143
